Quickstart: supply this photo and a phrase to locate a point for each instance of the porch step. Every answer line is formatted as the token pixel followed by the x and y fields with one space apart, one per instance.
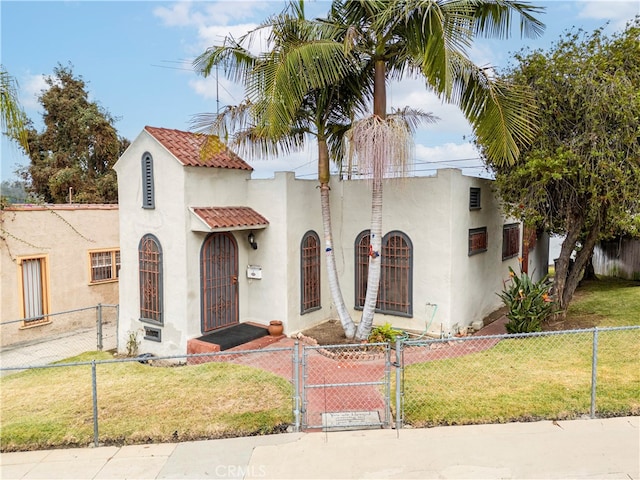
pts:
pixel 258 343
pixel 195 346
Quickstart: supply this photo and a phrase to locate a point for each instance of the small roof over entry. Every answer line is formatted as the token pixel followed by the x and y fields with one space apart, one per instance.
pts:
pixel 224 219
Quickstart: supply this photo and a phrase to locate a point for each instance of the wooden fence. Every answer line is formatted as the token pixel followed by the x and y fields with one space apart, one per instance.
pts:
pixel 618 258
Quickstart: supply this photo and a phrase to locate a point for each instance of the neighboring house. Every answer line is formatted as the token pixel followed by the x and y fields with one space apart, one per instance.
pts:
pixel 618 258
pixel 204 246
pixel 55 258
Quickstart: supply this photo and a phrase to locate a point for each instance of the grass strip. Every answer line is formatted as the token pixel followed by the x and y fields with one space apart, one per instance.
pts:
pixel 138 403
pixel 526 379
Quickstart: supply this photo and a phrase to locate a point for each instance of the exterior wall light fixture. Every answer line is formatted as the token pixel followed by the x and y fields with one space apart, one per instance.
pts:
pixel 252 241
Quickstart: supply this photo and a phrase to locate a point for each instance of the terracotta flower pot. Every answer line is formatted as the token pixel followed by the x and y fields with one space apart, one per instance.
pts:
pixel 275 328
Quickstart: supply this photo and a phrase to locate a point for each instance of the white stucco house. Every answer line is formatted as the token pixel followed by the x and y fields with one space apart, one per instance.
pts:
pixel 188 266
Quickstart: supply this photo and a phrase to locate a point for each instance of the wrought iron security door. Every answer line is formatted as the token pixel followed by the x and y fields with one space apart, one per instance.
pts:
pixel 219 277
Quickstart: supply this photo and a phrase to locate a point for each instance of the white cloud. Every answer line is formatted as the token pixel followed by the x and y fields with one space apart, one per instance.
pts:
pixel 448 152
pixel 31 88
pixel 619 12
pixel 303 164
pixel 214 35
pixel 413 92
pixel 198 14
pixel 483 55
pixel 227 92
pixel 464 156
pixel 226 12
pixel 205 87
pixel 177 15
pixel 213 21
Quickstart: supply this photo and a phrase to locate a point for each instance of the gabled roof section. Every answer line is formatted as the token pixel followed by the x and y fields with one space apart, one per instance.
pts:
pixel 228 218
pixel 187 148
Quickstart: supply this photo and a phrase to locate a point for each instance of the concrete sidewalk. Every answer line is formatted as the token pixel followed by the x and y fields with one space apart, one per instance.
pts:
pixel 594 449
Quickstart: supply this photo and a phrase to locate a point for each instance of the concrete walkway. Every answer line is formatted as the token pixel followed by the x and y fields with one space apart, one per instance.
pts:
pixel 56 347
pixel 588 449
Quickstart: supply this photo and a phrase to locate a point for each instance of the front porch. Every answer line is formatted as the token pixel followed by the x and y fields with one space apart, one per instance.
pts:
pixel 242 336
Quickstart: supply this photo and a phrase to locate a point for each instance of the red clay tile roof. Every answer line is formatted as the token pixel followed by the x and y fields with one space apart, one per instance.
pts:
pixel 187 148
pixel 230 217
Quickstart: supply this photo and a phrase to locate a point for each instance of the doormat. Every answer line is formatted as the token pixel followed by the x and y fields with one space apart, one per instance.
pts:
pixel 236 335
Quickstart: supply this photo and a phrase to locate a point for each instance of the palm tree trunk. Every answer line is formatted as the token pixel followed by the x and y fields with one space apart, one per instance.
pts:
pixel 332 274
pixel 375 259
pixel 380 89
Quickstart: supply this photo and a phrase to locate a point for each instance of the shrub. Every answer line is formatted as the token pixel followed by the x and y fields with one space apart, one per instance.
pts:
pixel 384 333
pixel 529 303
pixel 133 343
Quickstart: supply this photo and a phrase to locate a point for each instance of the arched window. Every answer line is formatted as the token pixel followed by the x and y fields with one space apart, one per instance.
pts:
pixel 148 194
pixel 309 272
pixel 395 294
pixel 396 285
pixel 362 267
pixel 150 268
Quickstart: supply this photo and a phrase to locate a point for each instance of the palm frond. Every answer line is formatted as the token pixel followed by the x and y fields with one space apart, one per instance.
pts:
pixel 236 61
pixel 413 117
pixel 503 117
pixel 494 18
pixel 232 118
pixel 280 81
pixel 237 127
pixel 12 118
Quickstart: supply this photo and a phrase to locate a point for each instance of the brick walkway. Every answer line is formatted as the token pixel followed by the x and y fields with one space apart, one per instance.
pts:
pixel 343 374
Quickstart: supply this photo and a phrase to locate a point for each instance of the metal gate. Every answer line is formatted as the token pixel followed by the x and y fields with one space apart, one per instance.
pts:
pixel 346 386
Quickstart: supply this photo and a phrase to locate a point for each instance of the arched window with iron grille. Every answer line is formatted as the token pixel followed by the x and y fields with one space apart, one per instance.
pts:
pixel 310 272
pixel 395 294
pixel 150 272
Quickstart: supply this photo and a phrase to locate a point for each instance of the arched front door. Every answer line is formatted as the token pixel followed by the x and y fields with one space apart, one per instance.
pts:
pixel 219 277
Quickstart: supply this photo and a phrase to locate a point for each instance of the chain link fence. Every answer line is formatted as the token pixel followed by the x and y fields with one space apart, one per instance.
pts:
pixel 102 398
pixel 58 336
pixel 346 386
pixel 106 399
pixel 520 377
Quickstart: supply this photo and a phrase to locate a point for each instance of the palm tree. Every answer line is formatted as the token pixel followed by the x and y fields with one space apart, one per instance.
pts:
pixel 12 118
pixel 393 38
pixel 287 103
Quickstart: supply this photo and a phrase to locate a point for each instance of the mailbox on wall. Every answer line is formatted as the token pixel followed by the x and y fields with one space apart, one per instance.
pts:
pixel 254 271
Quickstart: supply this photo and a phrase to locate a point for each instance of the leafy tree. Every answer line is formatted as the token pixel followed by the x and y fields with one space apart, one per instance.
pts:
pixel 581 175
pixel 12 118
pixel 72 158
pixel 393 38
pixel 13 192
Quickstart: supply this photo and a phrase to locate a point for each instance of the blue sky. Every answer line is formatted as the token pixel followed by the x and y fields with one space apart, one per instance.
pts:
pixel 135 57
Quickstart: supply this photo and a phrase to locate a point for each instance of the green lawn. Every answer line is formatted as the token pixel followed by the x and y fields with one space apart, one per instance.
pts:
pixel 535 378
pixel 139 403
pixel 609 302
